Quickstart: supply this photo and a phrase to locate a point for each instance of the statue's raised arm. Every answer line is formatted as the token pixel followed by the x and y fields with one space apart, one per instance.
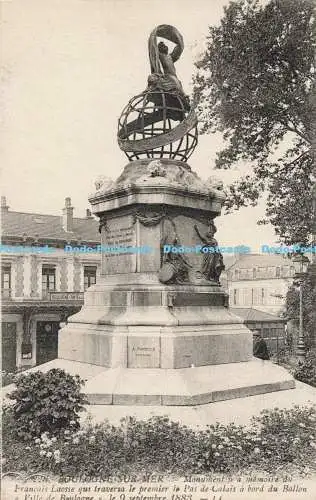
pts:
pixel 176 53
pixel 167 32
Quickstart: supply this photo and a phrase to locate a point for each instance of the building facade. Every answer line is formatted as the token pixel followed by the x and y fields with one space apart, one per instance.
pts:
pixel 260 282
pixel 42 283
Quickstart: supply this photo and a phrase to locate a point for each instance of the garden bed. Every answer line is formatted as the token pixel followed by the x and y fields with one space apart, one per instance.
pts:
pixel 42 434
pixel 278 440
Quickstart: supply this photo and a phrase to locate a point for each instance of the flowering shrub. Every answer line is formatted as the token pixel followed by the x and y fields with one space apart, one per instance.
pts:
pixel 45 402
pixel 225 448
pixel 7 378
pixel 306 371
pixel 287 436
pixel 276 440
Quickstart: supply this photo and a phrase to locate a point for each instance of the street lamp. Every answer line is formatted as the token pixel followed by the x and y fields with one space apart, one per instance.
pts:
pixel 301 263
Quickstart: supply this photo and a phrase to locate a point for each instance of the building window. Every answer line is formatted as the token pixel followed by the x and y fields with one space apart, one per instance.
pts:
pixel 292 271
pixel 48 280
pixel 278 272
pixel 6 281
pixel 235 295
pixel 261 272
pixel 262 295
pixel 246 297
pixel 89 273
pixel 280 332
pixel 236 274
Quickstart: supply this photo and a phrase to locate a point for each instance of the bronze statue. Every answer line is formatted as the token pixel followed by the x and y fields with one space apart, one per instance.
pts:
pixel 161 116
pixel 213 263
pixel 163 72
pixel 175 267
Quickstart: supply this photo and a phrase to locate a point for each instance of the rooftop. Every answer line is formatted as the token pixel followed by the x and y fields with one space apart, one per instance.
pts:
pixel 254 315
pixel 23 226
pixel 248 261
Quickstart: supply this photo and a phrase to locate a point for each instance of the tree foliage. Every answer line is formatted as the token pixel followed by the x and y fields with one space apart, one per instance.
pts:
pixel 255 83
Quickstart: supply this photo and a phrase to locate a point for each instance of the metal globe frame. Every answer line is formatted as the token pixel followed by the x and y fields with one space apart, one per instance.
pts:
pixel 158 124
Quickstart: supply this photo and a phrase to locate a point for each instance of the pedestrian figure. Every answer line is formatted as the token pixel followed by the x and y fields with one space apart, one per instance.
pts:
pixel 260 348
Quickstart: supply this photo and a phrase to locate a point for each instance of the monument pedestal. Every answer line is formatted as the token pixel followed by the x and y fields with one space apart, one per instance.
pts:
pixel 156 328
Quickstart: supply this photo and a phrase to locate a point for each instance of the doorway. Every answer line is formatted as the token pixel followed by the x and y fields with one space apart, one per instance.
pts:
pixel 9 347
pixel 46 341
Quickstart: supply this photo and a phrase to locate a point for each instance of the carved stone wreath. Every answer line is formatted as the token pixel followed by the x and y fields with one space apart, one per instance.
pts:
pixel 149 219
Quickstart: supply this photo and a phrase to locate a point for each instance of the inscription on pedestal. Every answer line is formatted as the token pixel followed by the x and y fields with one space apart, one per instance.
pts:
pixel 143 352
pixel 118 237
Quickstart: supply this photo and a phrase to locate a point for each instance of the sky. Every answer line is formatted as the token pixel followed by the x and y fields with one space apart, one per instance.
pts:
pixel 69 68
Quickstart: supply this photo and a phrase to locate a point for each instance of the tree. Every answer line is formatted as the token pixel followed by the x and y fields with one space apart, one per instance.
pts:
pixel 255 83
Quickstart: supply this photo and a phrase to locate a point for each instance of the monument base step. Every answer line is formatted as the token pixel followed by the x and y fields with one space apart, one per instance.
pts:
pixel 175 387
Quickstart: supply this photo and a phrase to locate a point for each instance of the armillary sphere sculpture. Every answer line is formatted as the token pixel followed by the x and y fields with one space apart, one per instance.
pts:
pixel 160 122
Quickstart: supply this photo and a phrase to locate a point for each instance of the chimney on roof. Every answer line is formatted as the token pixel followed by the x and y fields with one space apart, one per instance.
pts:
pixel 68 215
pixel 88 213
pixel 4 206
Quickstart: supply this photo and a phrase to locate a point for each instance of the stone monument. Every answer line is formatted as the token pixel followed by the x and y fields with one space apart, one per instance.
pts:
pixel 156 328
